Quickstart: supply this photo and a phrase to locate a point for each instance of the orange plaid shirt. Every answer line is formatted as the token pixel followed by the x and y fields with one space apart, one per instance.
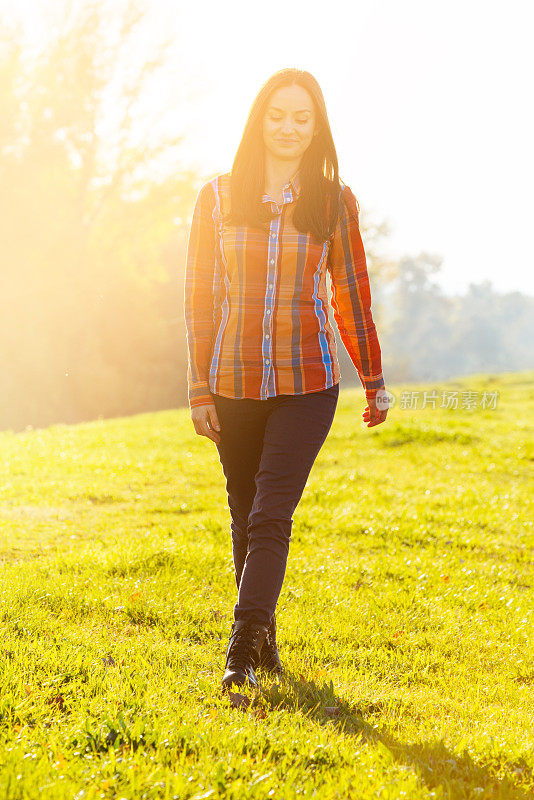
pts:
pixel 256 303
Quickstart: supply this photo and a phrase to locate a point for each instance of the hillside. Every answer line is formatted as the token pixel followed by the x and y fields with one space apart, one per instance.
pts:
pixel 405 620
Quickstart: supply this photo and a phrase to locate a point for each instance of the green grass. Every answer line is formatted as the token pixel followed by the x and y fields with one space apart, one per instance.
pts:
pixel 405 621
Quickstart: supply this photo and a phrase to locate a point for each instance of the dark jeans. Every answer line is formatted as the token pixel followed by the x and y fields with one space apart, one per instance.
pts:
pixel 267 450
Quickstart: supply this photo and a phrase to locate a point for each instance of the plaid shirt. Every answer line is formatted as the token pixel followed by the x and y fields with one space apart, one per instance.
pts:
pixel 256 303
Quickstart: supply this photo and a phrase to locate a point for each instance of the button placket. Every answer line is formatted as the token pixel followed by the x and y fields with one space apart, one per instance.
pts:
pixel 272 257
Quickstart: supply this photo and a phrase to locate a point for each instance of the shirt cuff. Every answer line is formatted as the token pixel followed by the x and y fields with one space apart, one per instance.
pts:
pixel 371 385
pixel 200 395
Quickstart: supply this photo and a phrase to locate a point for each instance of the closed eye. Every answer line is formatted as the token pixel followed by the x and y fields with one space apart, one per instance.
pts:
pixel 299 121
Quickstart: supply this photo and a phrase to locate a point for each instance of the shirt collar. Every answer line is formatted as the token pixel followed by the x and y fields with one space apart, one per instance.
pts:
pixel 290 190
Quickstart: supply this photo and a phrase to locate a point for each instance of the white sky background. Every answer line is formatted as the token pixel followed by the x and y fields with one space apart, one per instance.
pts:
pixel 430 104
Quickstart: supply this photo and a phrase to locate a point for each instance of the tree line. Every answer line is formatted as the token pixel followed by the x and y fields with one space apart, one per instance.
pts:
pixel 94 224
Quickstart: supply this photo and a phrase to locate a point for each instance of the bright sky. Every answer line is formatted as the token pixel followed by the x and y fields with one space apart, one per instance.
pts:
pixel 430 104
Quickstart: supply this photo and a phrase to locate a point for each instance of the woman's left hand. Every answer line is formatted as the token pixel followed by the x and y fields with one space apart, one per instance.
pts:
pixel 373 415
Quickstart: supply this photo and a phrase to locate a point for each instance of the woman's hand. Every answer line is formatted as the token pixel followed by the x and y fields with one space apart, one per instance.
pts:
pixel 206 421
pixel 374 415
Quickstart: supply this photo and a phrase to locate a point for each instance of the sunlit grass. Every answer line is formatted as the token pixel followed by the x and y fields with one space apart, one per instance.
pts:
pixel 405 620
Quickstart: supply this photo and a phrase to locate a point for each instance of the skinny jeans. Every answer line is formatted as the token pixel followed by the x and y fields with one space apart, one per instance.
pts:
pixel 267 449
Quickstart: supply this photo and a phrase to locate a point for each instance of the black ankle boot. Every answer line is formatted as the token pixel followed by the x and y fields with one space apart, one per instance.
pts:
pixel 243 653
pixel 269 656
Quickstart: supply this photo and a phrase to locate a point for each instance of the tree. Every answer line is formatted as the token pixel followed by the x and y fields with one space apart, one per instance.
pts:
pixel 92 240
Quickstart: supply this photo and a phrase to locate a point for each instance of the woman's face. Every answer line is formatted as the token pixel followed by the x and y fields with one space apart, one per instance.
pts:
pixel 289 122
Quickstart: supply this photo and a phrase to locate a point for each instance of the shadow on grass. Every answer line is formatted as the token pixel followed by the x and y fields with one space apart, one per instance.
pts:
pixel 435 765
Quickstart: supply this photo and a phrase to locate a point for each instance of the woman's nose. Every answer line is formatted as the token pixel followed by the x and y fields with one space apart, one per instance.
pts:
pixel 287 126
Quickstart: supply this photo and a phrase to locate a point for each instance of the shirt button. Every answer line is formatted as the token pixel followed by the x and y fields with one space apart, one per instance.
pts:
pixel 272 260
pixel 270 286
pixel 267 336
pixel 266 360
pixel 268 310
pixel 273 235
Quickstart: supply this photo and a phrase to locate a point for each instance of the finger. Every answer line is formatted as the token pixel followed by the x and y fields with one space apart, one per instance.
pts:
pixel 214 420
pixel 202 429
pixel 204 426
pixel 373 414
pixel 213 435
pixel 378 420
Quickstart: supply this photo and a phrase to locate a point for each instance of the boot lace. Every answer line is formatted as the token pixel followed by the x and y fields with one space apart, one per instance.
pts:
pixel 242 651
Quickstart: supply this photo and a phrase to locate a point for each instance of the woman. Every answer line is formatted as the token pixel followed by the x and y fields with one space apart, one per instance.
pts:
pixel 263 374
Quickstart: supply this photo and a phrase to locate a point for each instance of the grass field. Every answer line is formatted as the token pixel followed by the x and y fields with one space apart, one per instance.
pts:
pixel 406 619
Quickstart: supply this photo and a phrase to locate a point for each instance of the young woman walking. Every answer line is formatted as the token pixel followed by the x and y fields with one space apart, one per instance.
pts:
pixel 263 373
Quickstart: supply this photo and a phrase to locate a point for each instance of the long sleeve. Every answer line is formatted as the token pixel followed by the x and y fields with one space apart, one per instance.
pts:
pixel 351 296
pixel 199 296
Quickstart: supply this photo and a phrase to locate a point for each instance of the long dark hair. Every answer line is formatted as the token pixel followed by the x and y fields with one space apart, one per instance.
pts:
pixel 316 210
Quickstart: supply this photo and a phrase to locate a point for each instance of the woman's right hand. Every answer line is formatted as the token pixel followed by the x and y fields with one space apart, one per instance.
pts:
pixel 206 421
